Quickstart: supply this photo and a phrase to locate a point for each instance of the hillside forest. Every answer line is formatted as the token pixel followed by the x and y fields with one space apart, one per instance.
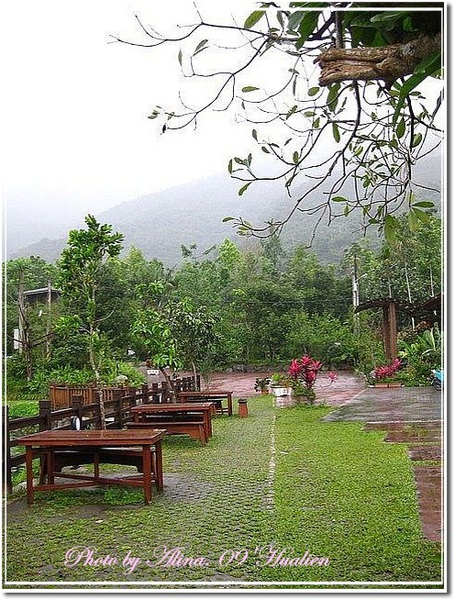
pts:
pixel 223 307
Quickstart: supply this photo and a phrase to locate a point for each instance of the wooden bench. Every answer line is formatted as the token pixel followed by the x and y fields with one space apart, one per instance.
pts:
pixel 116 456
pixel 194 428
pixel 214 396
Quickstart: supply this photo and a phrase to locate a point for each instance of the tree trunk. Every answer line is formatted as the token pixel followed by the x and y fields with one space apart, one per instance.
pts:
pixel 95 369
pixel 388 63
pixel 169 383
pixel 194 374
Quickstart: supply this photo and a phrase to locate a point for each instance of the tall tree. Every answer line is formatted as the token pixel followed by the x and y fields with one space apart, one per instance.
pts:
pixel 21 275
pixel 81 266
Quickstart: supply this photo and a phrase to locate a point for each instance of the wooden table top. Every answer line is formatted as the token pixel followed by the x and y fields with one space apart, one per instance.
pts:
pixel 92 437
pixel 171 407
pixel 204 394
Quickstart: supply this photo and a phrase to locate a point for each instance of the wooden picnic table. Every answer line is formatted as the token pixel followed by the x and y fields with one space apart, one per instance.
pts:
pixel 146 412
pixel 216 396
pixel 47 444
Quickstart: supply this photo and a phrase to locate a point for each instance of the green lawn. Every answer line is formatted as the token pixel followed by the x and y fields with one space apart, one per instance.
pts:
pixel 276 485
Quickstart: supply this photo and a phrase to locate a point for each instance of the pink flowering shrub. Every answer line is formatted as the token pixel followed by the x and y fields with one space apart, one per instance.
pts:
pixel 387 371
pixel 303 373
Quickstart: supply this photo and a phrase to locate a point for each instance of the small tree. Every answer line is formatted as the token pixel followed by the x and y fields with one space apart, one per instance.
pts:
pixel 81 267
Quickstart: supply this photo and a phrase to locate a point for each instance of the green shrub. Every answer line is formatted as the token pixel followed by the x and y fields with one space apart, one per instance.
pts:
pixel 112 369
pixel 333 342
pixel 23 408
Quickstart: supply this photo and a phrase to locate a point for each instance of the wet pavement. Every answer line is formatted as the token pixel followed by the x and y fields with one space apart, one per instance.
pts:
pixel 391 404
pixel 344 388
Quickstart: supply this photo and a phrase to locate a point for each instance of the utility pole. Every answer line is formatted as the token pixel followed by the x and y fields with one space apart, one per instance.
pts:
pixel 355 295
pixel 21 305
pixel 49 321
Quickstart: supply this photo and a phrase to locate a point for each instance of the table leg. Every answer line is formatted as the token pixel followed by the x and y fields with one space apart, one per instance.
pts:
pixel 50 466
pixel 230 405
pixel 159 465
pixel 147 474
pixel 29 466
pixel 96 464
pixel 208 423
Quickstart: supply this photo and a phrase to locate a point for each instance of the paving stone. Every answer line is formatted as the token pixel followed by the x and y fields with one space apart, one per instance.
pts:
pixel 425 453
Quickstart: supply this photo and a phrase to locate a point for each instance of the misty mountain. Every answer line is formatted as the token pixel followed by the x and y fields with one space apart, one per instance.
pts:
pixel 159 223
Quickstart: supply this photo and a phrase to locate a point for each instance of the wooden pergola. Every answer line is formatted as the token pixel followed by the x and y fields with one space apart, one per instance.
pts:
pixel 429 311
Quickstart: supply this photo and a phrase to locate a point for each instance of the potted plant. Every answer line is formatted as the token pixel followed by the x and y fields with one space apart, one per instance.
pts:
pixel 303 373
pixel 262 385
pixel 279 384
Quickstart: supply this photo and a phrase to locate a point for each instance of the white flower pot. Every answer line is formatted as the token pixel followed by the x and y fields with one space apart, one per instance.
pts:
pixel 280 391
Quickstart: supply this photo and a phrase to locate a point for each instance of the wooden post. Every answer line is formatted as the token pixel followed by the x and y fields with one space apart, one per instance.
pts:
pixel 76 405
pixel 389 328
pixel 155 398
pixel 145 393
pixel 386 332
pixel 393 330
pixel 118 397
pixel 45 413
pixel 6 433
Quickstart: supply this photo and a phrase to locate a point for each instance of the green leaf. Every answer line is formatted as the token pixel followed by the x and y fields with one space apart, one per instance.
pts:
pixel 307 25
pixel 336 132
pixel 338 199
pixel 254 133
pixel 416 140
pixel 390 229
pixel 427 67
pixel 424 204
pixel 226 219
pixel 295 157
pixel 429 64
pixel 264 149
pixel 243 189
pixel 413 220
pixel 291 111
pixel 295 20
pixel 230 166
pixel 249 88
pixel 253 18
pixel 422 215
pixel 401 128
pixel 332 97
pixel 313 91
pixel 201 46
pixel 180 57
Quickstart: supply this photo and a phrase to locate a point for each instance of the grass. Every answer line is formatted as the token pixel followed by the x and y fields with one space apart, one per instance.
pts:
pixel 280 479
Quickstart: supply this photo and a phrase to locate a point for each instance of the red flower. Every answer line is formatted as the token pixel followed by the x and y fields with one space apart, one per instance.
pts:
pixel 386 371
pixel 305 370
